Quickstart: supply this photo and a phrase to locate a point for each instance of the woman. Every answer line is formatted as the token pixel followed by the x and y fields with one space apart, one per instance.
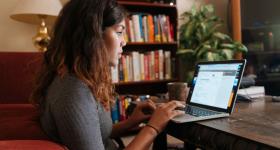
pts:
pixel 74 89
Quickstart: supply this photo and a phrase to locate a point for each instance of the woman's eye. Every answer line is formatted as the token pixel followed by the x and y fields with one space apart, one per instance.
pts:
pixel 119 33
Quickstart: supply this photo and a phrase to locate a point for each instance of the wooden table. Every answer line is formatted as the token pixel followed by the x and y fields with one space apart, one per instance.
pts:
pixel 253 125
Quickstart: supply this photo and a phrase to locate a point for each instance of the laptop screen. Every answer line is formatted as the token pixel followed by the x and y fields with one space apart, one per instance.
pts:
pixel 216 84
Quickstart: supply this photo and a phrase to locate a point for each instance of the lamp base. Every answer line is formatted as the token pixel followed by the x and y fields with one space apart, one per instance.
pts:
pixel 41 40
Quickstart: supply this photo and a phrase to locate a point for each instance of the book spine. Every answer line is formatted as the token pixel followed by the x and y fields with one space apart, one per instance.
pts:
pixel 167 63
pixel 121 73
pixel 115 74
pixel 122 115
pixel 136 66
pixel 151 28
pixel 125 68
pixel 142 67
pixel 162 28
pixel 142 35
pixel 170 38
pixel 136 26
pixel 115 112
pixel 156 67
pixel 145 28
pixel 130 67
pixel 146 66
pixel 132 31
pixel 157 30
pixel 161 64
pixel 127 30
pixel 152 65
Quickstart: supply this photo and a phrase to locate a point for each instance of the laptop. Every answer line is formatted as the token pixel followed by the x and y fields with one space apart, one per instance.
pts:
pixel 213 90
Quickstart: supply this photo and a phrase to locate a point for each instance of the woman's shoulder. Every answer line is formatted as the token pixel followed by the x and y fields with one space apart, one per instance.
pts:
pixel 68 88
pixel 69 82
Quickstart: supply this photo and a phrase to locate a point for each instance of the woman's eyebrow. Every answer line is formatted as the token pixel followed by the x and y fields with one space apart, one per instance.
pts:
pixel 122 26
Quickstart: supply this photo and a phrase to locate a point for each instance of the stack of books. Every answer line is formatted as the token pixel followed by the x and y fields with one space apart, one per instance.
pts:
pixel 135 66
pixel 252 92
pixel 142 27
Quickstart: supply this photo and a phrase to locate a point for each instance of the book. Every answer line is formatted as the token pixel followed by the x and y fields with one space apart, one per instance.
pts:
pixel 136 27
pixel 141 27
pixel 156 65
pixel 161 64
pixel 115 74
pixel 146 66
pixel 145 29
pixel 157 30
pixel 169 33
pixel 136 68
pixel 152 65
pixel 125 68
pixel 163 28
pixel 252 92
pixel 142 67
pixel 127 32
pixel 151 28
pixel 115 111
pixel 121 72
pixel 167 64
pixel 130 67
pixel 131 31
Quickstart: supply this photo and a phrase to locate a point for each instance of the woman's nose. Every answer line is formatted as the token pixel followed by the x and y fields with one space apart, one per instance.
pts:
pixel 123 43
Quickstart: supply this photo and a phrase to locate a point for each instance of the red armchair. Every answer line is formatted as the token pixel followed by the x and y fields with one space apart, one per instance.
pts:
pixel 19 121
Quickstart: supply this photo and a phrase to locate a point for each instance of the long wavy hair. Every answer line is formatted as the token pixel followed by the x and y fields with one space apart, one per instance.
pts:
pixel 77 47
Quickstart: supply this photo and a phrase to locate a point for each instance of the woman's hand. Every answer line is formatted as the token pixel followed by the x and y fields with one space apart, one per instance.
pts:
pixel 138 115
pixel 164 113
pixel 157 123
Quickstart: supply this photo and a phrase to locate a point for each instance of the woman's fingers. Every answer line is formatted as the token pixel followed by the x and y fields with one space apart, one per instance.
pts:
pixel 164 113
pixel 148 105
pixel 176 113
pixel 173 104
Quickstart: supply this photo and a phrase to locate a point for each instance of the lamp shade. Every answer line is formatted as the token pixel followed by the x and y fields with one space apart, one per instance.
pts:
pixel 28 11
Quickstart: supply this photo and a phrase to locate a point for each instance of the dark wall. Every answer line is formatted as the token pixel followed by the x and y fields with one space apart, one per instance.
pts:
pixel 260 12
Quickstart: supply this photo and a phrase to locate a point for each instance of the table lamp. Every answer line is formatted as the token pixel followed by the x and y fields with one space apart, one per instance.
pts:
pixel 38 12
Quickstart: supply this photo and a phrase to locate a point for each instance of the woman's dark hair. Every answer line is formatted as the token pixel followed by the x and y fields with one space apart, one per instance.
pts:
pixel 77 47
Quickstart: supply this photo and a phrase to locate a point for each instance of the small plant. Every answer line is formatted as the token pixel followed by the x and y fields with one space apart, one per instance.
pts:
pixel 200 39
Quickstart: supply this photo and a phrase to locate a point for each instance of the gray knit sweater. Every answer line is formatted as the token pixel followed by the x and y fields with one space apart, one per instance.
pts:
pixel 73 117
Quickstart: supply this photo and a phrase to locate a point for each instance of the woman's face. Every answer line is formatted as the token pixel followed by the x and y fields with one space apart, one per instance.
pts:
pixel 114 40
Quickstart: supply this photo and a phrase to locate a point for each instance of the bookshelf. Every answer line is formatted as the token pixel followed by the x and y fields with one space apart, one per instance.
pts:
pixel 143 87
pixel 151 86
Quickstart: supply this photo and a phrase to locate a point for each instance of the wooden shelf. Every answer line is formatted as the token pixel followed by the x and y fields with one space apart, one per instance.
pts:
pixel 150 43
pixel 143 7
pixel 270 52
pixel 268 26
pixel 144 82
pixel 143 87
pixel 262 53
pixel 147 4
pixel 150 46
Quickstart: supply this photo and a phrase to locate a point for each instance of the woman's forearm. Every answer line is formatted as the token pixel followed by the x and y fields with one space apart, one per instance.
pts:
pixel 143 140
pixel 121 128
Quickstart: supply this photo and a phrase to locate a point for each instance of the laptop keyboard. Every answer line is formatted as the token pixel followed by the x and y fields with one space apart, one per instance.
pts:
pixel 196 111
